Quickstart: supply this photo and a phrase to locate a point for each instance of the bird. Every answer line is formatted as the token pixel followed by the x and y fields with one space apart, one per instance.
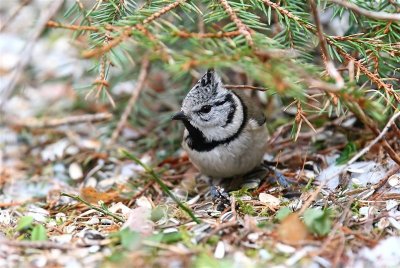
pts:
pixel 225 131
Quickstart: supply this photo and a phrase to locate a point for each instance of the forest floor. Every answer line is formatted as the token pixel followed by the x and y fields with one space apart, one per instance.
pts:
pixel 71 196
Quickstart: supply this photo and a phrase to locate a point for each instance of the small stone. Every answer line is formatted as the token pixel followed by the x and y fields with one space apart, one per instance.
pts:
pixel 106 222
pixel 391 204
pixel 253 237
pixel 219 252
pixel 394 181
pixel 75 171
pixel 269 199
pixel 60 217
pixel 383 223
pixel 93 221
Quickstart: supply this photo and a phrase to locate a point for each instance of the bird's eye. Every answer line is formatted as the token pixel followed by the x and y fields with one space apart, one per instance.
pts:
pixel 205 109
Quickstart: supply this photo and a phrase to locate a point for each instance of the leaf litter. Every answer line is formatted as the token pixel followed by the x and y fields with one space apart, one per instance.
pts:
pixel 115 214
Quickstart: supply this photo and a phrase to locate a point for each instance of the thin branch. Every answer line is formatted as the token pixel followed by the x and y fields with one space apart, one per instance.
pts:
pixel 184 34
pixel 377 15
pixel 10 84
pixel 135 94
pixel 128 30
pixel 245 87
pixel 330 67
pixel 243 29
pixel 54 24
pixel 99 209
pixel 373 77
pixel 376 140
pixel 75 119
pixel 384 180
pixel 36 244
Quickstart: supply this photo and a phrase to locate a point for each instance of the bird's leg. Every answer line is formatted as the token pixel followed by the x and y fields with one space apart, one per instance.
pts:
pixel 219 195
pixel 279 177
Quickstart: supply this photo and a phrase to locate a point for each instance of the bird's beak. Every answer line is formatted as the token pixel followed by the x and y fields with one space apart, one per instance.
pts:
pixel 179 116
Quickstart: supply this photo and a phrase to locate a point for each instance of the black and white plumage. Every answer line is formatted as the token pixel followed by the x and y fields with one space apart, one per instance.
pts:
pixel 225 133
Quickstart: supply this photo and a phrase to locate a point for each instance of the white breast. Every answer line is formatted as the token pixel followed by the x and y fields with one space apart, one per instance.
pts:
pixel 235 158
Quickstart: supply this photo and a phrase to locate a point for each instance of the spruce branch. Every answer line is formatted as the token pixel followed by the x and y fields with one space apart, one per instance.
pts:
pixel 331 41
pixel 243 29
pixel 184 34
pixel 377 15
pixel 128 31
pixel 54 24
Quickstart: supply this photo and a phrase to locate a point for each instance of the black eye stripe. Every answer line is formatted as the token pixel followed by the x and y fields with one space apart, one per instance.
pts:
pixel 227 98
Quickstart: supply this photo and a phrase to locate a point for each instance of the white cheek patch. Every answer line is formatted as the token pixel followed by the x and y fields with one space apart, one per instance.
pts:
pixel 223 131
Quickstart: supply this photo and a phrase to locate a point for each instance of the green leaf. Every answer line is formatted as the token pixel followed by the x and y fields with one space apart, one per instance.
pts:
pixel 39 233
pixel 282 213
pixel 318 221
pixel 24 223
pixel 130 240
pixel 172 237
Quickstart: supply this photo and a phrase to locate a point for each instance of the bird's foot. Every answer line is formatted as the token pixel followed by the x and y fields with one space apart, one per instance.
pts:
pixel 220 197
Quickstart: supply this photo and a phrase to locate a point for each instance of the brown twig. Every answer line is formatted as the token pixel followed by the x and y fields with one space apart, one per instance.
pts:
pixel 54 24
pixel 245 87
pixel 384 180
pixel 312 198
pixel 376 140
pixel 140 193
pixel 373 77
pixel 9 86
pixel 359 113
pixel 377 15
pixel 330 67
pixel 36 244
pixel 184 34
pixel 74 119
pixel 243 29
pixel 135 94
pixel 127 31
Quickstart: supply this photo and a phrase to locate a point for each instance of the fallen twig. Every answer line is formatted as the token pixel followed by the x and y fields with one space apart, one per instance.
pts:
pixel 36 244
pixel 374 141
pixel 74 119
pixel 99 209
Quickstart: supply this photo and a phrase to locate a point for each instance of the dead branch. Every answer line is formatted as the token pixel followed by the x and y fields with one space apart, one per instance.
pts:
pixel 376 140
pixel 37 245
pixel 135 94
pixel 75 119
pixel 377 15
pixel 330 67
